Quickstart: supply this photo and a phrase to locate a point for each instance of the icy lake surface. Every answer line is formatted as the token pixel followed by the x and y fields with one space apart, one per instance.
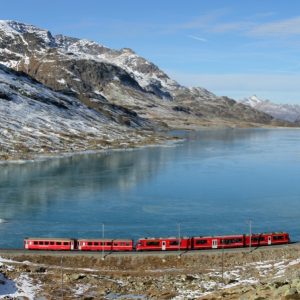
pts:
pixel 212 183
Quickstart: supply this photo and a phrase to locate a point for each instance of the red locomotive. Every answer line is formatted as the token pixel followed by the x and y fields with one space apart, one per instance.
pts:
pixel 159 244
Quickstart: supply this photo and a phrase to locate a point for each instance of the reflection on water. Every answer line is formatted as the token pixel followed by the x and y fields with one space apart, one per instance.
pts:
pixel 212 183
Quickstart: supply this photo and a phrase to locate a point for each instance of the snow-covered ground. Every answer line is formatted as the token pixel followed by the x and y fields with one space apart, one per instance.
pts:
pixel 21 286
pixel 189 286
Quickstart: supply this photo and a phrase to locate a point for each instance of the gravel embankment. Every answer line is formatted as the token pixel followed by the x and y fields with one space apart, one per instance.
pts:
pixel 272 273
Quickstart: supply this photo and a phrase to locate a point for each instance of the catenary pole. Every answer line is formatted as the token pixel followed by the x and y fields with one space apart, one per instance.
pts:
pixel 62 278
pixel 103 241
pixel 250 235
pixel 179 237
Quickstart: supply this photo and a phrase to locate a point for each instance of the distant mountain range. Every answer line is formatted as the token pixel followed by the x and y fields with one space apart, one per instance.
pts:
pixel 287 112
pixel 58 92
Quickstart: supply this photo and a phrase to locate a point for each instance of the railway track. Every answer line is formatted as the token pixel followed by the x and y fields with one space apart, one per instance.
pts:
pixel 20 252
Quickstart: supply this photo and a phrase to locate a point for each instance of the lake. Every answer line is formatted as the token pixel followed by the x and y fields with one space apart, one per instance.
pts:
pixel 213 182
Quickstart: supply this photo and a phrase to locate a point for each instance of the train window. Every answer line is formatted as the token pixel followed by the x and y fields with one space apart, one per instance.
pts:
pixel 66 243
pixel 35 243
pixel 101 243
pixel 58 243
pixel 257 239
pixel 278 237
pixel 230 241
pixel 46 243
pixel 174 243
pixel 127 244
pixel 152 243
pixel 108 244
pixel 90 244
pixel 51 243
pixel 116 244
pixel 201 242
pixel 226 241
pixel 41 243
pixel 96 244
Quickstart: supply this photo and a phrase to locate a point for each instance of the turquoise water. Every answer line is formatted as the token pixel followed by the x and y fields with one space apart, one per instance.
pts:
pixel 212 183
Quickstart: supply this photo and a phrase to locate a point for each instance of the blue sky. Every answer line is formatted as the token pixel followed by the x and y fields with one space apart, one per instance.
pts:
pixel 234 48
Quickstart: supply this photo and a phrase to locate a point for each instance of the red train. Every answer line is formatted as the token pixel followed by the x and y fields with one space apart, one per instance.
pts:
pixel 158 244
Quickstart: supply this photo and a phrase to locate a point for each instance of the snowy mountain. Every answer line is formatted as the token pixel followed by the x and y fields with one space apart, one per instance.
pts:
pixel 114 88
pixel 23 45
pixel 287 112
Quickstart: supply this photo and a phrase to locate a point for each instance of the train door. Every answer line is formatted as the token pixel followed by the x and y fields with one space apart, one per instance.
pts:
pixel 163 245
pixel 72 245
pixel 214 244
pixel 269 240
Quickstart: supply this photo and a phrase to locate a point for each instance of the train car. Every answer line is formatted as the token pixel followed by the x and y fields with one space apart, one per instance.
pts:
pixel 163 244
pixel 95 244
pixel 122 245
pixel 217 242
pixel 56 244
pixel 267 239
pixel 105 245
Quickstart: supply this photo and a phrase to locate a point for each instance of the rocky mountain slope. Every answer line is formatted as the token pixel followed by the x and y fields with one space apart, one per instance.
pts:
pixel 69 78
pixel 287 112
pixel 36 119
pixel 98 75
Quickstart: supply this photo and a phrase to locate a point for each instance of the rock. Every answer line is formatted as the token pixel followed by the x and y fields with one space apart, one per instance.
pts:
pixel 230 281
pixel 278 284
pixel 291 293
pixel 282 290
pixel 75 277
pixel 101 291
pixel 183 277
pixel 40 270
pixel 190 277
pixel 167 295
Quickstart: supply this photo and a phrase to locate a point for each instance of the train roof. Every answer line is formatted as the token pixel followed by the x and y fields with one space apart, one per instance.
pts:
pixel 267 233
pixel 48 239
pixel 237 235
pixel 105 240
pixel 164 238
pixel 217 236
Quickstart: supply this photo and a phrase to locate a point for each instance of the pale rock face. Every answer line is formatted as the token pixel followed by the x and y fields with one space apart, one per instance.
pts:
pixel 287 112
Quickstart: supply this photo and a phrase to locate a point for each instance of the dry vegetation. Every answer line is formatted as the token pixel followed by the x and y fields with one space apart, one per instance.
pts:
pixel 260 274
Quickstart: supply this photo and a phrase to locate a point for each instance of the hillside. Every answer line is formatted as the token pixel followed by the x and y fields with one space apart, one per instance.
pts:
pixel 36 119
pixel 49 81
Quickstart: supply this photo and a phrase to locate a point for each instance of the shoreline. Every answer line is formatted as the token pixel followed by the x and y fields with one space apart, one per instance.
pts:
pixel 165 141
pixel 162 140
